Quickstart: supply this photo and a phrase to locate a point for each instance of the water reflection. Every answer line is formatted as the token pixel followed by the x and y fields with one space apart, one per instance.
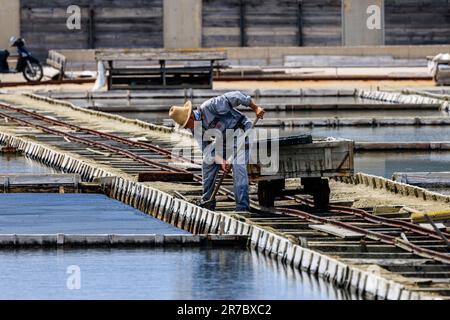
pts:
pixel 11 163
pixel 157 274
pixel 386 163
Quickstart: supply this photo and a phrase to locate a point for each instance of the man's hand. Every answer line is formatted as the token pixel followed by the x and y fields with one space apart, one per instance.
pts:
pixel 225 165
pixel 260 112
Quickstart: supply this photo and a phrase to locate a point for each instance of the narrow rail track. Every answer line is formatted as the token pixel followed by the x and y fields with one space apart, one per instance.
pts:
pixel 90 137
pixel 389 240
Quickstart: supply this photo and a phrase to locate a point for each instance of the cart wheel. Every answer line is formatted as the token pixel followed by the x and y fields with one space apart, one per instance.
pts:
pixel 268 191
pixel 320 190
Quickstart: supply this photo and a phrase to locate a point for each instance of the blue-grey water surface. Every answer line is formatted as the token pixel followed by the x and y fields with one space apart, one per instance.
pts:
pixel 11 163
pixel 157 274
pixel 379 134
pixel 386 163
pixel 30 213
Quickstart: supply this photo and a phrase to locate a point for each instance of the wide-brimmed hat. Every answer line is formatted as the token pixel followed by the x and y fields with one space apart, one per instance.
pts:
pixel 181 115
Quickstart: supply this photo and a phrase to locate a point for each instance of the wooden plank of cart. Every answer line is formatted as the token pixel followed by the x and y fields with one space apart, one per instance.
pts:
pixel 146 69
pixel 311 160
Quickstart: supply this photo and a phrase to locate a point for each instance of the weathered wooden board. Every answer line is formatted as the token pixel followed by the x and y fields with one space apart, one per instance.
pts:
pixel 336 231
pixel 417 22
pixel 271 23
pixel 139 23
pixel 318 159
pixel 39 179
pixel 104 23
pixel 160 54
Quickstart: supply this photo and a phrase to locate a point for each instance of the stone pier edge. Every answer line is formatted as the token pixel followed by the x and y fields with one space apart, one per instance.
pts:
pixel 198 220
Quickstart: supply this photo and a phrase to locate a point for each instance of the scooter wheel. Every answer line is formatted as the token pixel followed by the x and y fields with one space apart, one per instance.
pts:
pixel 33 72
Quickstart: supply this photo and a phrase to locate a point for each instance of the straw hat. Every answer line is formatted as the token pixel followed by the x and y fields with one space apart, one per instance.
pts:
pixel 181 115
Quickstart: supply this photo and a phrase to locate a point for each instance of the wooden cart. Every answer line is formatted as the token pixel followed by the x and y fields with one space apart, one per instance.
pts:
pixel 312 160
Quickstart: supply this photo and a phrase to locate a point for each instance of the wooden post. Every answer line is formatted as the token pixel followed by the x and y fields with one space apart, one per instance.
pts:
pixel 91 27
pixel 300 23
pixel 242 23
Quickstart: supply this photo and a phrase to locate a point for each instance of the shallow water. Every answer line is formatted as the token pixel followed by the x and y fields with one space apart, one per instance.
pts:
pixel 75 214
pixel 385 164
pixel 159 117
pixel 157 274
pixel 379 134
pixel 21 164
pixel 264 101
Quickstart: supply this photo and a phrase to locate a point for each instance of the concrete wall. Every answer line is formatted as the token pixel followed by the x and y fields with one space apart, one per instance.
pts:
pixel 9 21
pixel 182 23
pixel 362 22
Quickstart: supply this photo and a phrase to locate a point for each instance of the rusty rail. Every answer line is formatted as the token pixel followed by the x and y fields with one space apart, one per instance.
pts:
pixel 398 242
pixel 92 143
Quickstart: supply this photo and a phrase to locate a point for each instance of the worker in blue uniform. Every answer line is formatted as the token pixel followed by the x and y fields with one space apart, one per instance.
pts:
pixel 220 113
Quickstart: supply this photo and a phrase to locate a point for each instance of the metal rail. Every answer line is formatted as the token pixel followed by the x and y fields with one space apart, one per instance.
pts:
pixel 92 143
pixel 376 219
pixel 398 242
pixel 116 138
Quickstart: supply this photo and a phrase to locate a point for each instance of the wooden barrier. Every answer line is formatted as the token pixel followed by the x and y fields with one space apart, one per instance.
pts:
pixel 118 240
pixel 57 61
pixel 16 183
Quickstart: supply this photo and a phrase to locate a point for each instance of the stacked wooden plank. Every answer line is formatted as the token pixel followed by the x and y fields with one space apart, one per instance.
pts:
pixel 139 23
pixel 322 23
pixel 221 21
pixel 104 23
pixel 417 22
pixel 271 23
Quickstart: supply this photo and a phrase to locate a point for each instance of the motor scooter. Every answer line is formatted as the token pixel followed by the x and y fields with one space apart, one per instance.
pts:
pixel 30 67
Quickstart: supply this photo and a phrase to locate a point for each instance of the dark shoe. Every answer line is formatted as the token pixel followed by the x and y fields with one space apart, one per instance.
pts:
pixel 210 205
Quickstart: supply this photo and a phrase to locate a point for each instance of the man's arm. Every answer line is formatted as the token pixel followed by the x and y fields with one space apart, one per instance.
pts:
pixel 237 98
pixel 259 111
